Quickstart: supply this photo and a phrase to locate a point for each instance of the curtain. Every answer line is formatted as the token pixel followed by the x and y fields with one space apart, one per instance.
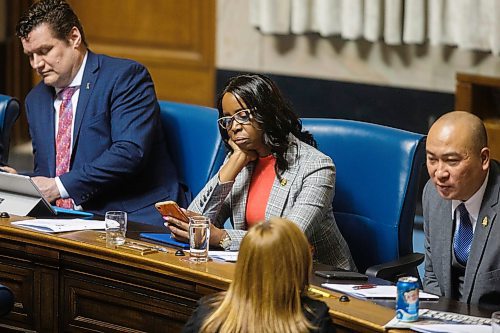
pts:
pixel 468 24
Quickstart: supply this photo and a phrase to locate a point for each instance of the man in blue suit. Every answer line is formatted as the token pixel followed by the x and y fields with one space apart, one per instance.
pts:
pixel 113 157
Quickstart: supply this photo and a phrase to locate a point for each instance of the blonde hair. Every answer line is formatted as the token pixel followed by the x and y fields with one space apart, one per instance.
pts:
pixel 257 300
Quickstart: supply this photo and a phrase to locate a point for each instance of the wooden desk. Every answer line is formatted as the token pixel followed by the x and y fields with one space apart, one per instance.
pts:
pixel 71 282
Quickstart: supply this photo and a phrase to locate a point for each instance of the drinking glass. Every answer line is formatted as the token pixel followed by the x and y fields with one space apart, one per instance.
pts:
pixel 116 227
pixel 199 237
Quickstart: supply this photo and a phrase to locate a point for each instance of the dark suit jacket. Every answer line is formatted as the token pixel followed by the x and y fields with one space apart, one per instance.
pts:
pixel 119 159
pixel 482 274
pixel 316 313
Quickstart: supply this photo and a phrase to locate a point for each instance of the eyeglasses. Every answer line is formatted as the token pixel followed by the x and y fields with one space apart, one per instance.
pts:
pixel 242 117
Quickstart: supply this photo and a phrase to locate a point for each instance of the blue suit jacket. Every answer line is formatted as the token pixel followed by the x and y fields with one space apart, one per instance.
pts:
pixel 119 159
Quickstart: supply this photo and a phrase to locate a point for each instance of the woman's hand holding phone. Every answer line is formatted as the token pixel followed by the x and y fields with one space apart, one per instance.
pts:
pixel 179 229
pixel 176 219
pixel 170 208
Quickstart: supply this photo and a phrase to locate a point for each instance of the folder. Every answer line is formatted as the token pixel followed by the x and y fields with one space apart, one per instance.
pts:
pixel 165 238
pixel 65 212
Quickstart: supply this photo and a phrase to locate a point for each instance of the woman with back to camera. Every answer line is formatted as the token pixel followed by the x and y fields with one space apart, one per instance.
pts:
pixel 272 169
pixel 256 300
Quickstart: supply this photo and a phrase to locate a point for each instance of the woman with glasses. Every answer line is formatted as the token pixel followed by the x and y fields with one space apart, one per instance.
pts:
pixel 256 300
pixel 273 169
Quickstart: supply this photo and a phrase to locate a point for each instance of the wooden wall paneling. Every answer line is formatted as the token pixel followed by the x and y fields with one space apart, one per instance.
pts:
pixel 98 304
pixel 173 39
pixel 19 277
pixel 463 96
pixel 32 275
pixel 100 296
pixel 18 78
pixel 46 299
pixel 481 95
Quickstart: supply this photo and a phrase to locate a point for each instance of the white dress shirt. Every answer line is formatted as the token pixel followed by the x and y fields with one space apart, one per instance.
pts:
pixel 473 205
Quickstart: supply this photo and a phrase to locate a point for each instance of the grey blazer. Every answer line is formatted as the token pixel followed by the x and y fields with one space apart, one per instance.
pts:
pixel 482 273
pixel 305 199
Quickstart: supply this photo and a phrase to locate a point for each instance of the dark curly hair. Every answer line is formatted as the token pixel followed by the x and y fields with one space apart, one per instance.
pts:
pixel 270 110
pixel 56 13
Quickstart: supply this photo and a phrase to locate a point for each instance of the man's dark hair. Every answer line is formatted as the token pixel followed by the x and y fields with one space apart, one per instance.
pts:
pixel 56 13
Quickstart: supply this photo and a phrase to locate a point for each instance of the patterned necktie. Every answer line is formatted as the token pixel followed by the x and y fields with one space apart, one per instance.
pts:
pixel 63 139
pixel 463 236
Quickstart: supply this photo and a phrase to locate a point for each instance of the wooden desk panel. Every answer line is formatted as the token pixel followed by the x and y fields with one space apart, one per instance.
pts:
pixel 71 282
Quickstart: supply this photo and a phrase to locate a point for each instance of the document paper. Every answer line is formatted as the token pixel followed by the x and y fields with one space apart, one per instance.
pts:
pixel 230 256
pixel 447 323
pixel 60 225
pixel 374 292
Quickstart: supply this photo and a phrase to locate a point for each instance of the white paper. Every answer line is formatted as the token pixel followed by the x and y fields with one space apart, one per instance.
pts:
pixel 60 225
pixel 452 328
pixel 375 292
pixel 230 256
pixel 438 321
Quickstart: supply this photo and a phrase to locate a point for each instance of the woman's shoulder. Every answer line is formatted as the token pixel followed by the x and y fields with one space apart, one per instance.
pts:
pixel 317 312
pixel 314 306
pixel 208 301
pixel 305 151
pixel 202 311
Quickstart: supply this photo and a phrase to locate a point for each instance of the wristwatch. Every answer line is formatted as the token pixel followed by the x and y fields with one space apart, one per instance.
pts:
pixel 225 242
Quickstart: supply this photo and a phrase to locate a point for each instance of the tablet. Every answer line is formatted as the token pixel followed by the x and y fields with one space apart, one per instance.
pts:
pixel 20 196
pixel 341 275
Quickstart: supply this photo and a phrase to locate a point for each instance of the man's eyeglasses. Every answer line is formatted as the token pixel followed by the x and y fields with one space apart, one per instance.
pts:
pixel 242 117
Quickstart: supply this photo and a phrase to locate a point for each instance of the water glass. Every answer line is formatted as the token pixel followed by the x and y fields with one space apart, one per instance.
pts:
pixel 495 322
pixel 116 227
pixel 199 237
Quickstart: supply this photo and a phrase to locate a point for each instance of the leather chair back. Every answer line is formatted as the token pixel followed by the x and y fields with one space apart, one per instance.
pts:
pixel 6 300
pixel 194 142
pixel 9 112
pixel 377 182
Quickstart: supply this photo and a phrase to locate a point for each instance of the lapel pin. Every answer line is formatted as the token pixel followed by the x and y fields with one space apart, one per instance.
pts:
pixel 485 221
pixel 283 181
pixel 87 86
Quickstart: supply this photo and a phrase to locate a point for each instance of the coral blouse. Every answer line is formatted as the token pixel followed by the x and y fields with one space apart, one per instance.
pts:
pixel 260 188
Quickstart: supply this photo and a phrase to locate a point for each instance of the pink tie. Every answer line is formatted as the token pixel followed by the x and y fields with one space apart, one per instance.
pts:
pixel 63 139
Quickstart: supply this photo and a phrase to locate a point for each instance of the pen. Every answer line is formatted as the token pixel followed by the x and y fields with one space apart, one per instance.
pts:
pixel 364 286
pixel 319 292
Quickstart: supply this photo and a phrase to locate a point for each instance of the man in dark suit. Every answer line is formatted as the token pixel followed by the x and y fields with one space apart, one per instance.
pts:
pixel 460 203
pixel 94 121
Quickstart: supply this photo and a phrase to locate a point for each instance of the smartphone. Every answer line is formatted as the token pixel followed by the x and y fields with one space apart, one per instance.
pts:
pixel 341 275
pixel 170 208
